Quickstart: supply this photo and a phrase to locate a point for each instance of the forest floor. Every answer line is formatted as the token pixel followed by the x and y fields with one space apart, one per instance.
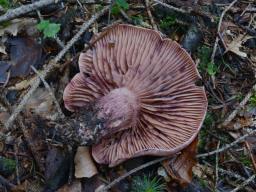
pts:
pixel 40 42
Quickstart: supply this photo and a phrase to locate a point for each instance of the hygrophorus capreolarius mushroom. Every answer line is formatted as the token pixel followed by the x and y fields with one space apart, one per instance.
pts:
pixel 143 91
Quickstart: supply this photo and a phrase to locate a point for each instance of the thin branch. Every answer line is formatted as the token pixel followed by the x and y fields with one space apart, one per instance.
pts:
pixel 6 182
pixel 51 66
pixel 231 174
pixel 13 13
pixel 218 29
pixel 84 27
pixel 217 167
pixel 248 181
pixel 150 15
pixel 172 7
pixel 228 145
pixel 241 105
pixel 110 185
pixel 47 86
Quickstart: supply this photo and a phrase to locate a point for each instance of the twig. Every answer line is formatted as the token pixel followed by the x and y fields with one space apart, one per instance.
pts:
pixel 84 27
pixel 241 105
pixel 150 15
pixel 125 16
pixel 13 13
pixel 172 7
pixel 110 185
pixel 6 182
pixel 47 86
pixel 51 66
pixel 231 174
pixel 250 179
pixel 218 29
pixel 17 164
pixel 228 145
pixel 217 167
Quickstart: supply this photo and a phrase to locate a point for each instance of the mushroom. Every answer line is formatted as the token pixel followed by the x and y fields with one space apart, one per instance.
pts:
pixel 143 92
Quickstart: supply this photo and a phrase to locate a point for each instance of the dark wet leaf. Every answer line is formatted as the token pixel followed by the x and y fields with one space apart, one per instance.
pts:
pixel 250 43
pixel 192 39
pixel 58 162
pixel 24 52
pixel 34 136
pixel 4 67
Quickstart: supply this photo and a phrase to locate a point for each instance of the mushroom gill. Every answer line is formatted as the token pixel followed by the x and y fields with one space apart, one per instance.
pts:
pixel 144 89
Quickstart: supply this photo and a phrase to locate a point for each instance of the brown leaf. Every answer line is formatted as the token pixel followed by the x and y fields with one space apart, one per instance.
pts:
pixel 40 104
pixel 84 165
pixel 16 25
pixel 24 52
pixel 180 169
pixel 236 45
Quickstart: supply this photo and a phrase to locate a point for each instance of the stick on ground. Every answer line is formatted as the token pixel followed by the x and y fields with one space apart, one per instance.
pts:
pixel 47 86
pixel 228 145
pixel 248 181
pixel 13 13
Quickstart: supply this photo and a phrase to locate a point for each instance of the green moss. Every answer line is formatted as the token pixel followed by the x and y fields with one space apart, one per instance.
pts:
pixel 252 100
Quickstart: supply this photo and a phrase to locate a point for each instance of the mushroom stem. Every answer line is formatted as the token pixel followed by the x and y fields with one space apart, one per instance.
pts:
pixel 119 109
pixel 116 111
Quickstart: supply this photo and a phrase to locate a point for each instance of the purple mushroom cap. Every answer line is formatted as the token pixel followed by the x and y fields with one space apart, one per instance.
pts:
pixel 144 87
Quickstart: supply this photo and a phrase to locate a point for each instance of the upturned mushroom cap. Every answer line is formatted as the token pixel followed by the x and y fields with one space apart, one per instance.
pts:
pixel 145 86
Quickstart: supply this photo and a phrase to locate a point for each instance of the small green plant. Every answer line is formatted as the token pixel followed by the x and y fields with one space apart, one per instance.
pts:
pixel 245 160
pixel 138 20
pixel 252 100
pixel 204 53
pixel 147 184
pixel 5 4
pixel 48 29
pixel 209 120
pixel 118 5
pixel 212 69
pixel 203 183
pixel 168 22
pixel 239 96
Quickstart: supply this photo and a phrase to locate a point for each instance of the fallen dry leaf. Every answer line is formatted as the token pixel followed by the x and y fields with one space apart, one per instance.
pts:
pixel 41 104
pixel 236 45
pixel 202 171
pixel 15 25
pixel 180 169
pixel 24 52
pixel 84 165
